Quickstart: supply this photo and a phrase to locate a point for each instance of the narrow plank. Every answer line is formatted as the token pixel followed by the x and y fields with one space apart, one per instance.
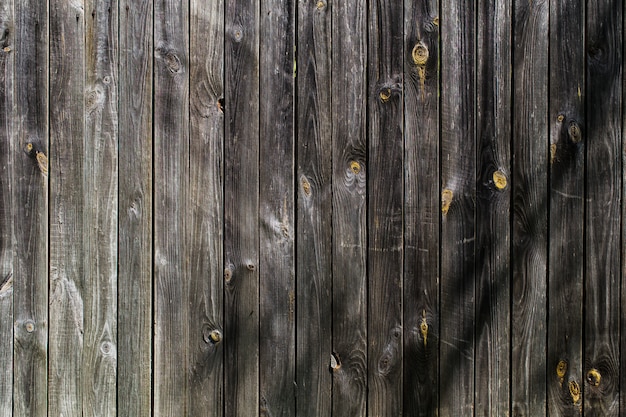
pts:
pixel 205 207
pixel 134 346
pixel 241 209
pixel 603 138
pixel 30 195
pixel 314 209
pixel 384 207
pixel 171 162
pixel 7 74
pixel 276 210
pixel 67 277
pixel 421 208
pixel 458 208
pixel 349 210
pixel 530 208
pixel 567 209
pixel 493 208
pixel 99 359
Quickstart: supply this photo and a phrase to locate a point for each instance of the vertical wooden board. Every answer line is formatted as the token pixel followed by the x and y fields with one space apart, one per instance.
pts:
pixel 29 151
pixel 134 346
pixel 567 209
pixel 67 256
pixel 349 219
pixel 384 207
pixel 171 162
pixel 276 210
pixel 603 138
pixel 241 208
pixel 493 207
pixel 530 205
pixel 421 208
pixel 458 207
pixel 99 361
pixel 206 62
pixel 314 209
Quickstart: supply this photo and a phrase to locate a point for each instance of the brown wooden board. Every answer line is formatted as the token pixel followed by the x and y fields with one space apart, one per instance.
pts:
pixel 349 225
pixel 493 202
pixel 134 346
pixel 314 209
pixel 205 205
pixel 530 208
pixel 603 140
pixel 567 209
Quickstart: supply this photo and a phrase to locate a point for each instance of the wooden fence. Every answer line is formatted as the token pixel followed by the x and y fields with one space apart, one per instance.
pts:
pixel 312 208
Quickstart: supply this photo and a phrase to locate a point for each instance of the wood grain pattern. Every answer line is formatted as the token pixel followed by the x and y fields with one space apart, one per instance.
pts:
pixel 421 208
pixel 493 207
pixel 603 208
pixel 135 182
pixel 205 205
pixel 349 226
pixel 314 209
pixel 241 209
pixel 567 210
pixel 458 208
pixel 530 209
pixel 384 207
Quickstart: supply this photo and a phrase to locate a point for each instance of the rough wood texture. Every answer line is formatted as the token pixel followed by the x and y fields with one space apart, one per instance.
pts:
pixel 314 210
pixel 493 203
pixel 603 138
pixel 421 208
pixel 567 210
pixel 171 161
pixel 205 234
pixel 349 226
pixel 530 205
pixel 384 207
pixel 134 345
pixel 241 209
pixel 458 208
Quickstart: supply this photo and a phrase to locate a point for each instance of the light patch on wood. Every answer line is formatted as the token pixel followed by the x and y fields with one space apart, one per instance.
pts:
pixel 7 286
pixel 42 163
pixel 552 152
pixel 335 362
pixel 446 200
pixel 424 328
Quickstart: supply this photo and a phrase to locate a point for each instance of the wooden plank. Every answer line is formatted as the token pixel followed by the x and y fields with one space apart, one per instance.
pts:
pixel 314 210
pixel 567 209
pixel 30 194
pixel 7 74
pixel 421 208
pixel 493 207
pixel 530 208
pixel 277 371
pixel 384 207
pixel 458 208
pixel 349 210
pixel 171 162
pixel 205 207
pixel 241 209
pixel 134 347
pixel 99 359
pixel 603 140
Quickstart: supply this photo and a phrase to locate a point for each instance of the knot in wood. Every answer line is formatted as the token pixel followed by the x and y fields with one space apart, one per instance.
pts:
pixel 499 180
pixel 574 132
pixel 306 186
pixel 561 369
pixel 29 326
pixel 385 94
pixel 446 200
pixel 574 390
pixel 560 118
pixel 355 167
pixel 321 5
pixel 594 377
pixel 420 54
pixel 215 336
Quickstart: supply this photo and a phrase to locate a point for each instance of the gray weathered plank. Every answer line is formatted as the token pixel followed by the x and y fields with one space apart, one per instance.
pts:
pixel 603 140
pixel 205 234
pixel 134 346
pixel 493 203
pixel 458 208
pixel 530 203
pixel 384 206
pixel 67 256
pixel 241 209
pixel 421 208
pixel 276 210
pixel 567 209
pixel 349 225
pixel 171 162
